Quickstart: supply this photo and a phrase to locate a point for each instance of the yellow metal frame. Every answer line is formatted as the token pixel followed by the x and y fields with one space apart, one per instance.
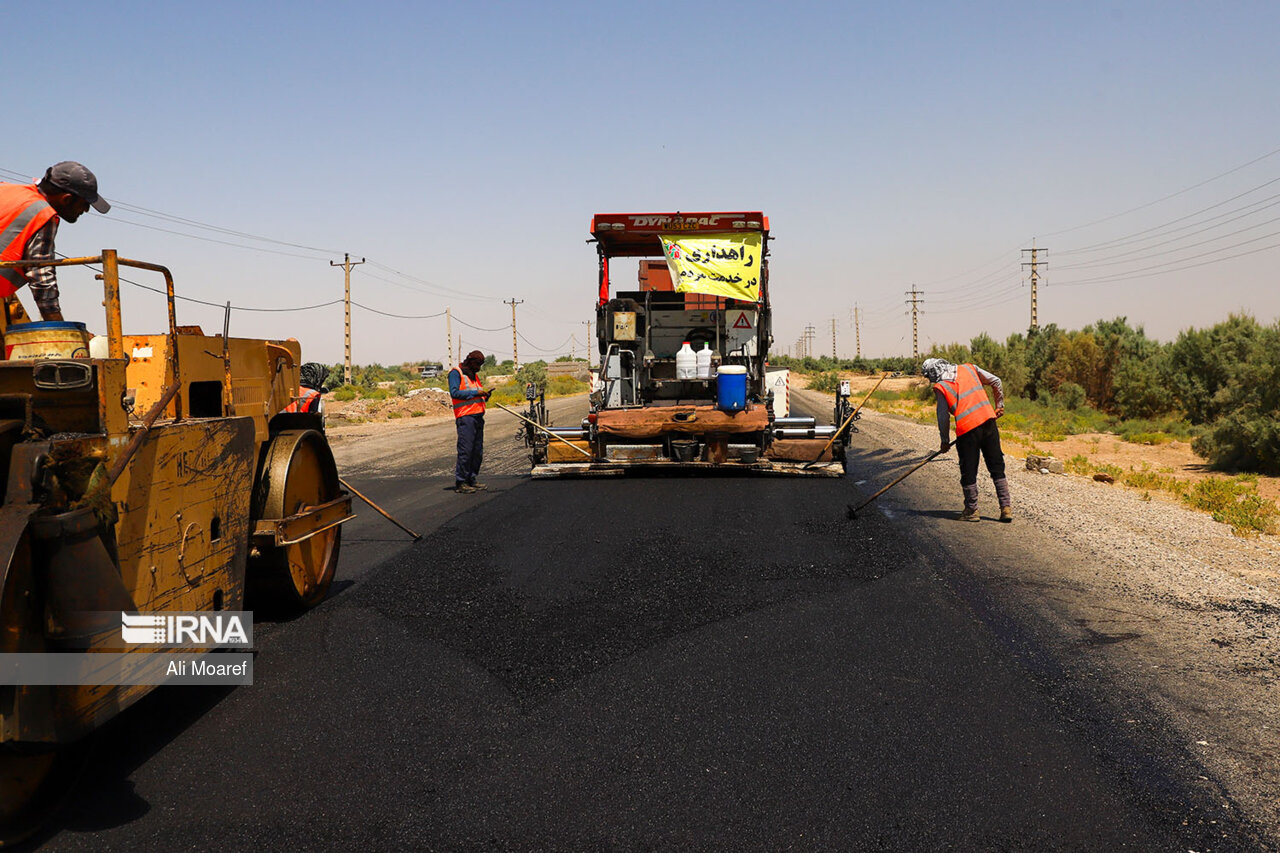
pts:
pixel 281 357
pixel 180 486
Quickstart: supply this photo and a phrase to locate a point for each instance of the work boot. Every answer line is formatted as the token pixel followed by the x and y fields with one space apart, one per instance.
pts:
pixel 479 487
pixel 465 489
pixel 1006 514
pixel 970 515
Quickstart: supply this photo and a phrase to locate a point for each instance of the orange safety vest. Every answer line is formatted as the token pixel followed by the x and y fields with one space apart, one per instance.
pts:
pixel 23 212
pixel 468 405
pixel 308 401
pixel 966 399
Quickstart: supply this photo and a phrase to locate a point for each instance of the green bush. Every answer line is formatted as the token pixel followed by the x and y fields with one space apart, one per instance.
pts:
pixel 1148 431
pixel 1148 479
pixel 826 382
pixel 1048 421
pixel 394 415
pixel 1235 502
pixel 560 386
pixel 1069 396
pixel 1140 390
pixel 416 414
pixel 1208 367
pixel 1078 464
pixel 1148 438
pixel 1244 440
pixel 344 394
pixel 1224 380
pixel 534 371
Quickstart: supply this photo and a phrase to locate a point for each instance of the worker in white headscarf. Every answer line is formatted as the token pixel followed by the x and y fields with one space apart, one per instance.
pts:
pixel 961 394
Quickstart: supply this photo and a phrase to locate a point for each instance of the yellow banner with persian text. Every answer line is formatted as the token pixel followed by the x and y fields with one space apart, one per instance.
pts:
pixel 719 264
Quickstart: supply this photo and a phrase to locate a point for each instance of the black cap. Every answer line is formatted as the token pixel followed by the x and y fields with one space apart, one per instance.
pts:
pixel 77 180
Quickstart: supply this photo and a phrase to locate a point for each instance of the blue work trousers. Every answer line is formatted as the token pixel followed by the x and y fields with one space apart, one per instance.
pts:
pixel 470 448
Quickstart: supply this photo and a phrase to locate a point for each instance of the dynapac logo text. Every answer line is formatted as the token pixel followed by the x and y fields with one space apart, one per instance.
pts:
pixel 677 224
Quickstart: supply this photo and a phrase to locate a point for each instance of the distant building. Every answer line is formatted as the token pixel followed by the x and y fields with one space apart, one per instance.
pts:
pixel 576 369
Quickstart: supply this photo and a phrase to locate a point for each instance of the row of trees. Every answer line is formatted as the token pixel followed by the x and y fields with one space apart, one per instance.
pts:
pixel 1225 378
pixel 368 376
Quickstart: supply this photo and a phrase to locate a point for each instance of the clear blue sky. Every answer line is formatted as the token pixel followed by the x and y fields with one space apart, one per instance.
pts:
pixel 462 148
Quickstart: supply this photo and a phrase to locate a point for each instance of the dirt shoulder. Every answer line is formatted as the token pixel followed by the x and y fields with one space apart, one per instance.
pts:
pixel 421 403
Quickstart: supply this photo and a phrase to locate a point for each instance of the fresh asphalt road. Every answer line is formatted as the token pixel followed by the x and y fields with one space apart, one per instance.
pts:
pixel 640 663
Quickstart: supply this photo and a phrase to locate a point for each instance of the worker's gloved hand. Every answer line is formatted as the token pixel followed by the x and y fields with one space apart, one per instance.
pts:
pixel 944 447
pixel 1000 412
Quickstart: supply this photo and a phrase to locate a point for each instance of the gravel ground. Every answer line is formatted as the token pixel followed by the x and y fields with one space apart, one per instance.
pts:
pixel 1157 599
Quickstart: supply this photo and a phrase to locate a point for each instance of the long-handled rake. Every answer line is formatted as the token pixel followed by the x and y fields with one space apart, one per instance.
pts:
pixel 852 511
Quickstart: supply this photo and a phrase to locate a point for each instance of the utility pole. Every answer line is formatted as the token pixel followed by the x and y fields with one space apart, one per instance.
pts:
pixel 809 334
pixel 448 330
pixel 1035 280
pixel 587 323
pixel 833 338
pixel 515 354
pixel 915 301
pixel 857 329
pixel 346 265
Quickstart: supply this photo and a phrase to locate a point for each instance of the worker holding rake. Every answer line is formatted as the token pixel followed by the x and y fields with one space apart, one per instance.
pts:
pixel 961 391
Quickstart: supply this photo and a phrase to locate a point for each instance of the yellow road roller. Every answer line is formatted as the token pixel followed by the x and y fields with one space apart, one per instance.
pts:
pixel 143 473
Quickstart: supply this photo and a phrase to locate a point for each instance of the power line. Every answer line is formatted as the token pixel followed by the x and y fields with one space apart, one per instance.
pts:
pixel 211 239
pixel 172 218
pixel 1165 198
pixel 1110 262
pixel 1138 237
pixel 1143 273
pixel 478 329
pixel 399 316
pixel 555 348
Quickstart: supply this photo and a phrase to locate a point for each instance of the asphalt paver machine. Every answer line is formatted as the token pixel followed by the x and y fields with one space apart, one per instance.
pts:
pixel 646 410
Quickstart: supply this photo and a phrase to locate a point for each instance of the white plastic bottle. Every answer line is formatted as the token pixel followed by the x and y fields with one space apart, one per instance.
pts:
pixel 686 363
pixel 704 361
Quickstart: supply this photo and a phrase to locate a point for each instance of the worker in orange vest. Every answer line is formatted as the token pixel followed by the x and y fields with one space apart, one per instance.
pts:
pixel 310 388
pixel 29 216
pixel 961 392
pixel 468 396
